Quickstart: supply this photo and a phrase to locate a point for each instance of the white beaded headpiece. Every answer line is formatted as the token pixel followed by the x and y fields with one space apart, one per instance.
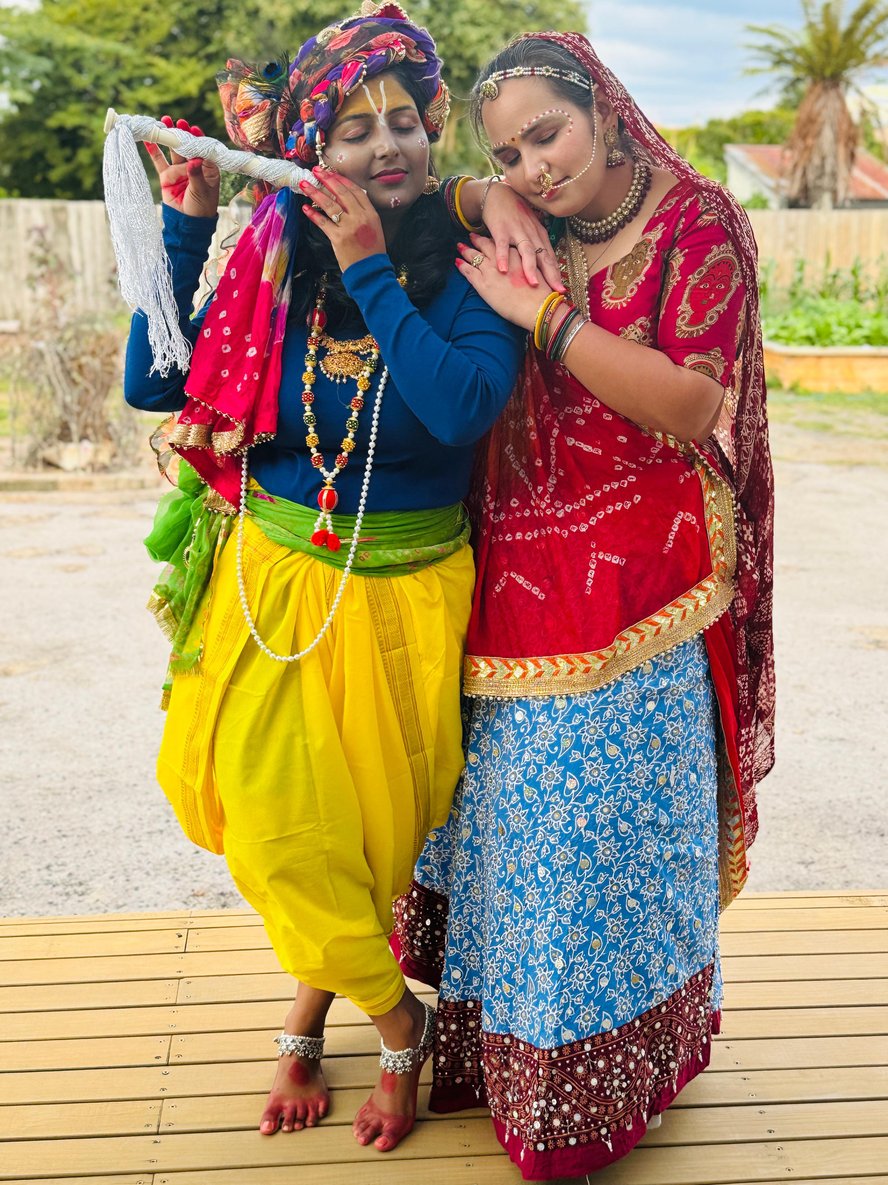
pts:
pixel 489 90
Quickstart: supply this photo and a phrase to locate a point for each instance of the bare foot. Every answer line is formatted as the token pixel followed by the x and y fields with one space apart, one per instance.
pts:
pixel 390 1112
pixel 299 1097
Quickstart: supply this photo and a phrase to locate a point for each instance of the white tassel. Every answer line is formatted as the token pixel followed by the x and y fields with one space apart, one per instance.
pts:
pixel 144 272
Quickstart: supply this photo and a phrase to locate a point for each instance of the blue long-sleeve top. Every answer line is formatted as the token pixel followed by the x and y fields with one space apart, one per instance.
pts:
pixel 451 367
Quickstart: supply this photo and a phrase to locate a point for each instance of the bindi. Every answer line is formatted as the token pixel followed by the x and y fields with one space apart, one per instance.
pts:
pixel 532 123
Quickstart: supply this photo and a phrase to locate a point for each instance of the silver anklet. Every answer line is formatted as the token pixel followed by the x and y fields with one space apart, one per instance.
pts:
pixel 311 1048
pixel 402 1061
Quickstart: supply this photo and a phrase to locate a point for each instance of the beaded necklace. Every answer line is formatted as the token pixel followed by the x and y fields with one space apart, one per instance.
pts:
pixel 596 231
pixel 328 499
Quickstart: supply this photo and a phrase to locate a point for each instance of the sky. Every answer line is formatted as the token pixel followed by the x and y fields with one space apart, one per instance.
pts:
pixel 683 62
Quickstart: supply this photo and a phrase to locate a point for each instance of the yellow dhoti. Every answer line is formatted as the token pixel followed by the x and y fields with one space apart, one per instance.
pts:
pixel 320 779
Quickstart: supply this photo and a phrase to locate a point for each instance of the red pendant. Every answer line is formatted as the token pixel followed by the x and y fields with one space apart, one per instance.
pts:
pixel 328 499
pixel 319 538
pixel 333 541
pixel 319 319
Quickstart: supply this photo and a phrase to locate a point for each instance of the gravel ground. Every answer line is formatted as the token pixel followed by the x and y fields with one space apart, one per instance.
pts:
pixel 87 830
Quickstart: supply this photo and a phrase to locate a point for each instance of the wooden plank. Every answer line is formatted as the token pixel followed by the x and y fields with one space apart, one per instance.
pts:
pixel 180 1081
pixel 64 946
pixel 703 1125
pixel 452 1140
pixel 785 1086
pixel 265 1015
pixel 133 1117
pixel 722 1085
pixel 807 967
pixel 344 1040
pixel 828 898
pixel 241 1112
pixel 797 1053
pixel 120 967
pixel 803 942
pixel 748 940
pixel 85 1054
pixel 117 968
pixel 192 1018
pixel 107 924
pixel 808 993
pixel 222 1150
pixel 744 921
pixel 47 997
pixel 751 1164
pixel 742 1024
pixel 215 1047
pixel 134 1179
pixel 739 1026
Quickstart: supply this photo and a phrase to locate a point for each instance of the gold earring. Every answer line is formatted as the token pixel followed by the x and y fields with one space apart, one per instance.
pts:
pixel 432 185
pixel 615 156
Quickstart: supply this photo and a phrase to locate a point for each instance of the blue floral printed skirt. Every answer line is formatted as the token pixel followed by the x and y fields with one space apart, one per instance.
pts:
pixel 570 909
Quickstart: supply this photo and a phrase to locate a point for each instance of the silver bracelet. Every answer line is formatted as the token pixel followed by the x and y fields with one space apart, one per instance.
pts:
pixel 571 334
pixel 490 181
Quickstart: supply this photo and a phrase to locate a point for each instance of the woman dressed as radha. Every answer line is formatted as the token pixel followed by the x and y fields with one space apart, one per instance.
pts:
pixel 618 683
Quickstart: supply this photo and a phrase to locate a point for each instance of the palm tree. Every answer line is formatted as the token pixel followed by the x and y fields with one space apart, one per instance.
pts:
pixel 822 62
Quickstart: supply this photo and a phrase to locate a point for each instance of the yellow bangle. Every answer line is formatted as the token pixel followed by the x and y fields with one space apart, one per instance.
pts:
pixel 552 299
pixel 457 205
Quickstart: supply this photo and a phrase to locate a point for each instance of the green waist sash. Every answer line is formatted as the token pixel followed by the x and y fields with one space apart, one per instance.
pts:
pixel 188 537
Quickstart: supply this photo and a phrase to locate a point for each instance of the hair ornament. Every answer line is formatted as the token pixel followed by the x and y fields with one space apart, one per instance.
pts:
pixel 488 89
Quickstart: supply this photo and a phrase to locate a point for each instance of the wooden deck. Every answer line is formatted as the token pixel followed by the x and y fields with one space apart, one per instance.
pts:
pixel 135 1050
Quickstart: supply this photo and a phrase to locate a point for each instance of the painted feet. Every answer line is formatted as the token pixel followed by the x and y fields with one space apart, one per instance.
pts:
pixel 390 1112
pixel 299 1097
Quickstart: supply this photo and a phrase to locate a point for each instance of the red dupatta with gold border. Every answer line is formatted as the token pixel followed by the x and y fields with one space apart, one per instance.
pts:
pixel 600 544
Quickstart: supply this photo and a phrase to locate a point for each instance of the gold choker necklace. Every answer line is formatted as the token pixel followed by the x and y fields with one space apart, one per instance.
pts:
pixel 597 231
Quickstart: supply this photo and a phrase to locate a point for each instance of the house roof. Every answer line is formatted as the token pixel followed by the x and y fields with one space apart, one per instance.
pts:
pixel 869 177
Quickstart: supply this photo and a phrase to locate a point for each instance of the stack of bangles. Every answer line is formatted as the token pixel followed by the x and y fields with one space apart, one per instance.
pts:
pixel 451 190
pixel 555 344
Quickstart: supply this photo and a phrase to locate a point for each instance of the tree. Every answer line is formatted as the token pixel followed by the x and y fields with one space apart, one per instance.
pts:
pixel 704 146
pixel 819 65
pixel 63 63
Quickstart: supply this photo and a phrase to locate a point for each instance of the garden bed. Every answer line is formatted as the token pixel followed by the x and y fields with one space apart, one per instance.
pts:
pixel 845 369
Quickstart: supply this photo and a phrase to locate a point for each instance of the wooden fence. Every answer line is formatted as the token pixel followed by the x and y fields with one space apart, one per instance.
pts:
pixel 78 235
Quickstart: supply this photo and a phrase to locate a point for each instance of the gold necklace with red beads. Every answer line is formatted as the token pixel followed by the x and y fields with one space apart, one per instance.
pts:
pixel 328 499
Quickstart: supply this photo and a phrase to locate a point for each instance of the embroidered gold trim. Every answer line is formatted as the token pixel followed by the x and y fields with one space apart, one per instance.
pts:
pixel 625 276
pixel 681 619
pixel 159 609
pixel 189 436
pixel 217 503
pixel 708 362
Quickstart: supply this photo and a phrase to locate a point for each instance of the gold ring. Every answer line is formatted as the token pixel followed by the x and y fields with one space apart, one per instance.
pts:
pixel 476 260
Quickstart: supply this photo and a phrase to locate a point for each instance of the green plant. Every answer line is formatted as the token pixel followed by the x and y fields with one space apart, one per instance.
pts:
pixel 837 307
pixel 64 374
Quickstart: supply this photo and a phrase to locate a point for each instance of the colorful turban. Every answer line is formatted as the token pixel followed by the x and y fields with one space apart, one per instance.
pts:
pixel 286 111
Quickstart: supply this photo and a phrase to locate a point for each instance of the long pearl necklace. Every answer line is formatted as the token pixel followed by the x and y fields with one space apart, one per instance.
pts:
pixel 346 571
pixel 588 231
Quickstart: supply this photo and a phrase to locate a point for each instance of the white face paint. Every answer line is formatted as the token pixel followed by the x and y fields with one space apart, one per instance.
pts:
pixel 375 142
pixel 383 101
